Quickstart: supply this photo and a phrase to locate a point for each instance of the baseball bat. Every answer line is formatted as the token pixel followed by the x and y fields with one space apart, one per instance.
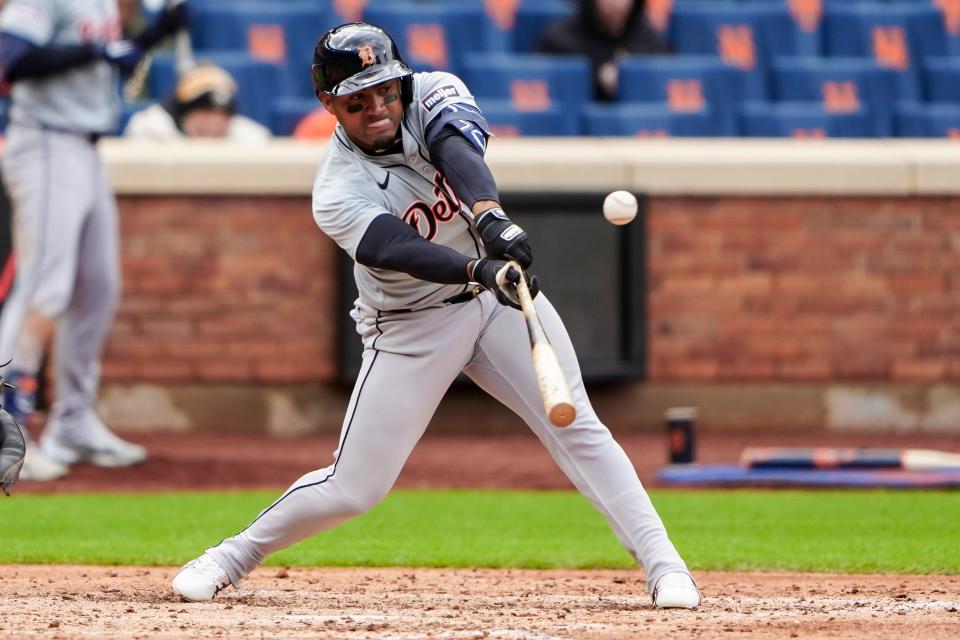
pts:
pixel 554 389
pixel 834 458
pixel 182 55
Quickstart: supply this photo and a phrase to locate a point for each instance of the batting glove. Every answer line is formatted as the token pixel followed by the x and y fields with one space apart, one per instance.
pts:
pixel 500 277
pixel 173 19
pixel 504 239
pixel 123 54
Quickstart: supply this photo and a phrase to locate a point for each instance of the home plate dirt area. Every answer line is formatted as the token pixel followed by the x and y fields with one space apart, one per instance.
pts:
pixel 124 602
pixel 64 602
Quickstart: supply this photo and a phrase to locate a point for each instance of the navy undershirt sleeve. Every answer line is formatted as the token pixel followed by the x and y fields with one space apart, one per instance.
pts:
pixel 22 59
pixel 462 164
pixel 390 243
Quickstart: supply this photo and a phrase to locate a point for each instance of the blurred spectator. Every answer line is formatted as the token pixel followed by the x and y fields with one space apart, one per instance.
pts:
pixel 604 31
pixel 202 106
pixel 316 125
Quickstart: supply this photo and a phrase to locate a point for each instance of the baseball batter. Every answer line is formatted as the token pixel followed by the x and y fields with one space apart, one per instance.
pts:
pixel 404 189
pixel 63 58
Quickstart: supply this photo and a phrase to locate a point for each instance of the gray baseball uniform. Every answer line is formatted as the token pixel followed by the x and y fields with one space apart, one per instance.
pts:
pixel 65 217
pixel 415 345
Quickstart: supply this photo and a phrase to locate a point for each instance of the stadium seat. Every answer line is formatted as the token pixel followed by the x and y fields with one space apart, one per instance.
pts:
pixel 646 120
pixel 916 120
pixel 789 28
pixel 280 33
pixel 532 83
pixel 842 85
pixel 532 19
pixel 257 80
pixel 803 120
pixel 434 36
pixel 730 30
pixel 936 29
pixel 878 31
pixel 942 78
pixel 506 122
pixel 286 113
pixel 685 84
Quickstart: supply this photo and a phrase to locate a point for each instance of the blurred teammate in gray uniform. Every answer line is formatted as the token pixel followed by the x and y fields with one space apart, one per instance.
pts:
pixel 64 58
pixel 404 189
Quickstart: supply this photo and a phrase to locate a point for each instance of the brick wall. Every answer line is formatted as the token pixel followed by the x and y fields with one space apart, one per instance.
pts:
pixel 759 289
pixel 223 290
pixel 804 289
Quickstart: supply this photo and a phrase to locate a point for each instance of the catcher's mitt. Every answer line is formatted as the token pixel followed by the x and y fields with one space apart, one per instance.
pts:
pixel 12 449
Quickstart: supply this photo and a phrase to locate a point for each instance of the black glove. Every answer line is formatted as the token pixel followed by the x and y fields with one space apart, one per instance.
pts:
pixel 172 19
pixel 12 449
pixel 123 54
pixel 501 278
pixel 502 238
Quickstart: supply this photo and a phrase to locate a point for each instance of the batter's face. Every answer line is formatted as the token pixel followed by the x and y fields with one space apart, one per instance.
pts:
pixel 370 117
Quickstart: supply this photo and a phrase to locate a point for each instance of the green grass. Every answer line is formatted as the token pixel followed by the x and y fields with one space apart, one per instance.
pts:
pixel 848 531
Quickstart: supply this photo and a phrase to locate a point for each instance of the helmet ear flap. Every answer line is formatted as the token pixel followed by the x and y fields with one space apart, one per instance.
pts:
pixel 406 89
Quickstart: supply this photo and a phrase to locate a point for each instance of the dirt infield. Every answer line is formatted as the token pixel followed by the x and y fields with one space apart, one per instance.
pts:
pixel 59 602
pixel 100 602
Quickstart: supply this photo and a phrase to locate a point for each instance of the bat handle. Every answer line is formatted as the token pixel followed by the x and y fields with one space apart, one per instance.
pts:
pixel 554 390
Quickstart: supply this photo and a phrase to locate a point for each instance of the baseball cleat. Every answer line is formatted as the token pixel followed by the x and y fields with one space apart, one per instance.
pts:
pixel 38 467
pixel 84 438
pixel 200 580
pixel 676 590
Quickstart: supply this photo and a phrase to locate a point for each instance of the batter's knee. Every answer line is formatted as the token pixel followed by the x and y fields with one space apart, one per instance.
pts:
pixel 363 499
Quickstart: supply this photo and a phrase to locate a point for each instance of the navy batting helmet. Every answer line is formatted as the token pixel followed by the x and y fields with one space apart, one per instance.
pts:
pixel 355 56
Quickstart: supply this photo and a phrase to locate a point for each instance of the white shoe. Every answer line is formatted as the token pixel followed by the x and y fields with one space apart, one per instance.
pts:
pixel 82 437
pixel 676 590
pixel 37 466
pixel 200 580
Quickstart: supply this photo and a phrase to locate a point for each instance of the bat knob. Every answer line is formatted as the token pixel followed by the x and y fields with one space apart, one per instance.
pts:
pixel 562 414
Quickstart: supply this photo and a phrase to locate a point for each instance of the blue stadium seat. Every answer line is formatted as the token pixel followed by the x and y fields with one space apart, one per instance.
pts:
pixel 915 120
pixel 257 80
pixel 942 78
pixel 646 120
pixel 507 122
pixel 730 30
pixel 789 28
pixel 803 120
pixel 685 84
pixel 532 19
pixel 936 28
pixel 532 83
pixel 433 36
pixel 286 113
pixel 280 33
pixel 880 31
pixel 842 85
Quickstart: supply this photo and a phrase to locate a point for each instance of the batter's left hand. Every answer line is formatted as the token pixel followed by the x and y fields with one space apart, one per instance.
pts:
pixel 123 54
pixel 504 239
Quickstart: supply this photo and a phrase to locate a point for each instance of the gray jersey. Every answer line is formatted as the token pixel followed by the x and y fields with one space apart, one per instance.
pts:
pixel 352 188
pixel 83 98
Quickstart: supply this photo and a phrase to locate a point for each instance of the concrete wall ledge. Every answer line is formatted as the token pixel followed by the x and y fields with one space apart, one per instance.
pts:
pixel 731 166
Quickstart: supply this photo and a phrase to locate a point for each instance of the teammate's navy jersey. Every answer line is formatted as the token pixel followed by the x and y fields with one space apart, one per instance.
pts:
pixel 82 98
pixel 352 188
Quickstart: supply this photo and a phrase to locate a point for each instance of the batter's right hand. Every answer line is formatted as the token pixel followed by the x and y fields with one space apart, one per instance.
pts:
pixel 123 54
pixel 487 273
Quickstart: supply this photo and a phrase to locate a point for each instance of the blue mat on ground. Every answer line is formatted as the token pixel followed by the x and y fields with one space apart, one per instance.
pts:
pixel 735 476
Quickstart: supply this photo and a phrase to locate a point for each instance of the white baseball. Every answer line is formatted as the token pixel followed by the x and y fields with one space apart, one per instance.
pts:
pixel 620 207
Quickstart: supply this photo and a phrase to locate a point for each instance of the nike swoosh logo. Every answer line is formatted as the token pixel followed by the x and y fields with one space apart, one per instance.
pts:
pixel 385 182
